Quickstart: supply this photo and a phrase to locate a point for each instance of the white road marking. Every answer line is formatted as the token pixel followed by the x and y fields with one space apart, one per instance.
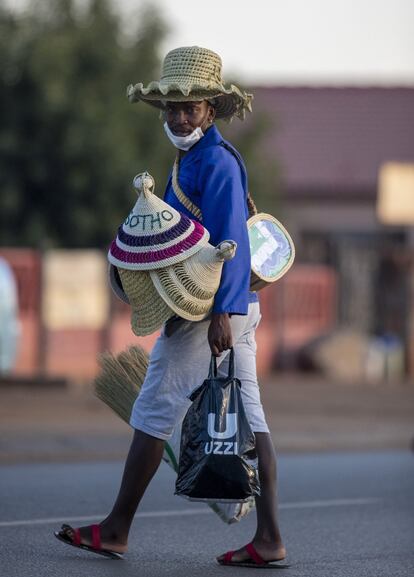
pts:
pixel 194 511
pixel 328 503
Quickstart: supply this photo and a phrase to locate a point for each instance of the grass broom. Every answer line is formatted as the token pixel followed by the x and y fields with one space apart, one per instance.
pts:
pixel 120 378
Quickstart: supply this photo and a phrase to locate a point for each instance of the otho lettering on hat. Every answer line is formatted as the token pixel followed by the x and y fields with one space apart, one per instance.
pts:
pixel 148 221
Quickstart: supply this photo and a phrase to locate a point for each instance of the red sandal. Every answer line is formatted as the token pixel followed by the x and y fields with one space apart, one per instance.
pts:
pixel 255 560
pixel 76 541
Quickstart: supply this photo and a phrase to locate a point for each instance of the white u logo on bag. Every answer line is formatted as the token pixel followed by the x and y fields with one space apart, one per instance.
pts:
pixel 231 426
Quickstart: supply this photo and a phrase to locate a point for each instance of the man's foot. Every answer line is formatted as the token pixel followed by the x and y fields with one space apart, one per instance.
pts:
pixel 257 553
pixel 94 538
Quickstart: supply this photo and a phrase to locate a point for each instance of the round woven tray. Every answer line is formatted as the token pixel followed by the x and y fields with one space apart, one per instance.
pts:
pixel 271 248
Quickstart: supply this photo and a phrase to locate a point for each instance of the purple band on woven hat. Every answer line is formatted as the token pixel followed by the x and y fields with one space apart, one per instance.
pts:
pixel 175 231
pixel 158 255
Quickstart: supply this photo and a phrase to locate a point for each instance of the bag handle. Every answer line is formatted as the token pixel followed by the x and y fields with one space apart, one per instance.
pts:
pixel 193 208
pixel 180 194
pixel 213 366
pixel 231 364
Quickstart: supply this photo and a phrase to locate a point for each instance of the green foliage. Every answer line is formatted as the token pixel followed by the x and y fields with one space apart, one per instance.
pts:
pixel 70 142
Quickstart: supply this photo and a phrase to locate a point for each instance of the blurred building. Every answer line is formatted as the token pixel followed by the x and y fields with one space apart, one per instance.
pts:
pixel 351 271
pixel 331 144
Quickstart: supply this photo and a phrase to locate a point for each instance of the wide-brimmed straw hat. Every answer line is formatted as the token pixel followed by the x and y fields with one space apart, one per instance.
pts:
pixel 189 287
pixel 135 288
pixel 185 289
pixel 154 235
pixel 149 311
pixel 192 73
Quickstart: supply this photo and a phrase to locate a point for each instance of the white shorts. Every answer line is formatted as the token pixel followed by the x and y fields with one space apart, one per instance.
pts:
pixel 180 363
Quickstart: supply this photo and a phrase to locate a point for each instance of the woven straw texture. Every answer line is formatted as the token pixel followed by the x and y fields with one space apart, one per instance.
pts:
pixel 180 194
pixel 120 378
pixel 149 310
pixel 257 280
pixel 193 73
pixel 154 235
pixel 189 287
pixel 116 285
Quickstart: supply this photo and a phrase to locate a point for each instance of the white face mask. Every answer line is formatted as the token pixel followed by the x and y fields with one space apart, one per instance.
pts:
pixel 184 142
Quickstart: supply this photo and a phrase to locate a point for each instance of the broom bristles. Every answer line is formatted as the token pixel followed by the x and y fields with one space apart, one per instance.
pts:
pixel 120 379
pixel 135 363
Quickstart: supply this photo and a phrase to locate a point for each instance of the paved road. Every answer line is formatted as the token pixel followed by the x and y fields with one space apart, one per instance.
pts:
pixel 343 515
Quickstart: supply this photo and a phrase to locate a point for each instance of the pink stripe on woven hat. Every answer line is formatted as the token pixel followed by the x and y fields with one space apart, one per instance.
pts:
pixel 154 234
pixel 163 241
pixel 166 256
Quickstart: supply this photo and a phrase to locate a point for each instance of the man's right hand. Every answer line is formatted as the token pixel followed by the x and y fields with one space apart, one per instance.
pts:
pixel 220 337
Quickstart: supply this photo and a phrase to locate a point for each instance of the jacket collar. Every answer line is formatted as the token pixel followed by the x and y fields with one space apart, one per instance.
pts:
pixel 211 137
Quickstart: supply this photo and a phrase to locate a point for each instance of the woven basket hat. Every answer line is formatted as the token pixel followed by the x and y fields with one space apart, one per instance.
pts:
pixel 149 311
pixel 185 289
pixel 192 73
pixel 188 287
pixel 154 235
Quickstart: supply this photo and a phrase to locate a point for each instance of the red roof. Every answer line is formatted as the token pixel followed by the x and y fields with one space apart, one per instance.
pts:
pixel 335 139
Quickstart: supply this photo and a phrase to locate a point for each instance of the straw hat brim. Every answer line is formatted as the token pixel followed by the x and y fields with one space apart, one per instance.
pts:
pixel 182 303
pixel 149 310
pixel 116 285
pixel 188 288
pixel 228 102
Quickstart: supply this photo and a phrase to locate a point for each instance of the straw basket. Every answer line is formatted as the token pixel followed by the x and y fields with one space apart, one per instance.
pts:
pixel 271 248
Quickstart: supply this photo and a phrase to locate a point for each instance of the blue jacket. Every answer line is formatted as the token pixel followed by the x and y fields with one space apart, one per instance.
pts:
pixel 215 180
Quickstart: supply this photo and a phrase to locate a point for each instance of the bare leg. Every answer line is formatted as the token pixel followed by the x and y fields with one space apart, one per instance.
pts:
pixel 141 465
pixel 267 539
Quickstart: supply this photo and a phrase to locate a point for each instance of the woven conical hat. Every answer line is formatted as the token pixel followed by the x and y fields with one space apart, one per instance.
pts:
pixel 149 310
pixel 188 287
pixel 154 235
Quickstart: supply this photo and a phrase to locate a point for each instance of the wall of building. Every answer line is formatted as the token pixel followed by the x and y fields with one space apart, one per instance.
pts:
pixel 295 309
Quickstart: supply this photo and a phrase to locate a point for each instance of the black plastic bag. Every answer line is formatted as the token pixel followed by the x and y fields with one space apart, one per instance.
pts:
pixel 217 444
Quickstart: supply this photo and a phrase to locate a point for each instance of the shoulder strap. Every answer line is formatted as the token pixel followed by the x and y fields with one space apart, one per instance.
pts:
pixel 193 208
pixel 180 194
